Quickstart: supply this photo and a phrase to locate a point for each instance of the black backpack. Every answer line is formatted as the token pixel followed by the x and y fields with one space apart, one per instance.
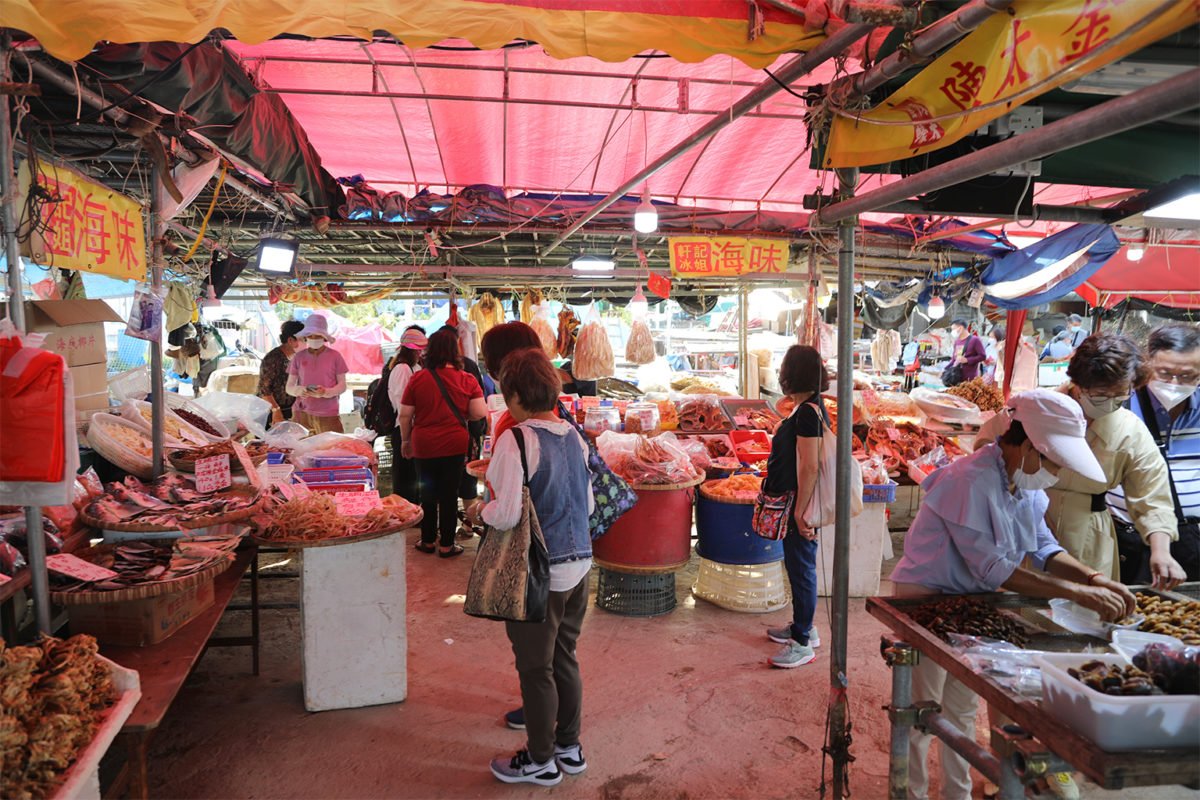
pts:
pixel 380 414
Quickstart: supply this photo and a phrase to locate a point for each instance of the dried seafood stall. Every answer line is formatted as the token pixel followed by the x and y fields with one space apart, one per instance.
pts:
pixel 1043 738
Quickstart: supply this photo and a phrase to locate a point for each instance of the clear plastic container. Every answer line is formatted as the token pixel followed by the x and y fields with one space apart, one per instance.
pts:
pixel 601 418
pixel 641 418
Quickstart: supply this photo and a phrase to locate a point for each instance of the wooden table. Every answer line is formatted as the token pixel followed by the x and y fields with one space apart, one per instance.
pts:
pixel 1042 736
pixel 164 667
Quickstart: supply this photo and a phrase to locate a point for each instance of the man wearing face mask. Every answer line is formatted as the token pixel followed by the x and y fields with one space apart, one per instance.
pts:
pixel 981 517
pixel 1103 371
pixel 317 378
pixel 1169 405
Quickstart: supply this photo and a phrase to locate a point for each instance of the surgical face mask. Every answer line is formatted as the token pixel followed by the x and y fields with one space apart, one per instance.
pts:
pixel 1171 394
pixel 1100 406
pixel 1042 479
pixel 316 343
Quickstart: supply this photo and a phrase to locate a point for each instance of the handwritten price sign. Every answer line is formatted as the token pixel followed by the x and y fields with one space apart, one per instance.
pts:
pixel 356 504
pixel 75 567
pixel 212 473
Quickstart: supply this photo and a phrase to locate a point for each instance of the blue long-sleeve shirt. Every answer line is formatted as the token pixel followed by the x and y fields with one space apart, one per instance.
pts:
pixel 972 533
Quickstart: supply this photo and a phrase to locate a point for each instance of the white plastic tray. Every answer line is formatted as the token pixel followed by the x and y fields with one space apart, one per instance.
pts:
pixel 82 778
pixel 1117 723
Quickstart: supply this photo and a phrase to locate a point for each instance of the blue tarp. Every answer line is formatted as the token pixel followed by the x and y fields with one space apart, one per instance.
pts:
pixel 1098 240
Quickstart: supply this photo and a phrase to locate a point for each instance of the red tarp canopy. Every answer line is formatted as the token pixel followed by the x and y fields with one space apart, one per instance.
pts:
pixel 1166 274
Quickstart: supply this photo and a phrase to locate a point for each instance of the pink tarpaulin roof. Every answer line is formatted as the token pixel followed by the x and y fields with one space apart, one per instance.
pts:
pixel 1169 275
pixel 361 347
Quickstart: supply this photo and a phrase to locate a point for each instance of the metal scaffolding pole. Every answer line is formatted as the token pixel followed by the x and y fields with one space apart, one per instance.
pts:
pixel 800 66
pixel 838 679
pixel 156 230
pixel 1164 99
pixel 12 253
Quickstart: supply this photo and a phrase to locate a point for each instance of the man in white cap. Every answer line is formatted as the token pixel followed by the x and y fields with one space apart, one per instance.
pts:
pixel 317 377
pixel 981 517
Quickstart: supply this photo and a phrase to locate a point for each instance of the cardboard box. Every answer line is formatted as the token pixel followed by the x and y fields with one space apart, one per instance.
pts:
pixel 135 623
pixel 74 328
pixel 91 380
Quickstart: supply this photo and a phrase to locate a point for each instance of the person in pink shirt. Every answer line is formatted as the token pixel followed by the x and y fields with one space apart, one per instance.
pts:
pixel 316 378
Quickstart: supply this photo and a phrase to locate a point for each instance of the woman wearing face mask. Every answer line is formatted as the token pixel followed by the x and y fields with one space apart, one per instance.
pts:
pixel 981 517
pixel 1103 372
pixel 317 378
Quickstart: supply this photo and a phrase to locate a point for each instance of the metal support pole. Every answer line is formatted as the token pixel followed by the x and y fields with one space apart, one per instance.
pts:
pixel 795 69
pixel 743 324
pixel 838 735
pixel 964 744
pixel 157 230
pixel 1164 99
pixel 34 539
pixel 901 657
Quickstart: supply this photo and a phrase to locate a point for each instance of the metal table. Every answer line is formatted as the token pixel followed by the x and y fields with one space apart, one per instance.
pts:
pixel 1035 745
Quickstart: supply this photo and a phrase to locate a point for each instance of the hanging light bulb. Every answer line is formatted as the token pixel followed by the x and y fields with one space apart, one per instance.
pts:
pixel 1134 252
pixel 936 308
pixel 645 219
pixel 638 306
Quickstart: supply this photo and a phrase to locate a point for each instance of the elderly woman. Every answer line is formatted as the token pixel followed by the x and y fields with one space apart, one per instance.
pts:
pixel 548 455
pixel 1105 369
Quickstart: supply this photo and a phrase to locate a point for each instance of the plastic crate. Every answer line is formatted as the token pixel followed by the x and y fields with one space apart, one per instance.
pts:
pixel 749 588
pixel 879 493
pixel 635 595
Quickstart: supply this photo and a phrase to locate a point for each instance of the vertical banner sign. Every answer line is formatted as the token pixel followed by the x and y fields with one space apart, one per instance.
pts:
pixel 1010 59
pixel 84 225
pixel 726 256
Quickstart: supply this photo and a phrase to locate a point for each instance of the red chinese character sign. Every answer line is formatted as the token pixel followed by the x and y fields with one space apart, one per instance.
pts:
pixel 84 225
pixel 726 256
pixel 1010 59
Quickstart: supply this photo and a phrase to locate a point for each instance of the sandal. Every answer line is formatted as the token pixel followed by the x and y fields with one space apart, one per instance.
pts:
pixel 455 550
pixel 426 548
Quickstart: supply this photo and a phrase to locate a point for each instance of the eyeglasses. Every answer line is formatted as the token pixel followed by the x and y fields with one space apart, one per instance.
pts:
pixel 1164 374
pixel 1101 398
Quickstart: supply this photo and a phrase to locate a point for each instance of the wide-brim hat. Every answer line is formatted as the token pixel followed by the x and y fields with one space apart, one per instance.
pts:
pixel 316 325
pixel 1055 424
pixel 414 340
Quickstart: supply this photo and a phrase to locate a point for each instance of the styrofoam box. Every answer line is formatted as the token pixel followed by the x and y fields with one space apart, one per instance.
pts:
pixel 1117 723
pixel 82 781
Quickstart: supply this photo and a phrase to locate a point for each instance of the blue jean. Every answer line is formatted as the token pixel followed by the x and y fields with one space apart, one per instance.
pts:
pixel 800 560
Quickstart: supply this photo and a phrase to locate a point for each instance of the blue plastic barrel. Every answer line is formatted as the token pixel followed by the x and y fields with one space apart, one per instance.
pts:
pixel 725 534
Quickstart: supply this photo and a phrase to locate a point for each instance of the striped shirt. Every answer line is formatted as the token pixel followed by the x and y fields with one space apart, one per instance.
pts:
pixel 1183 455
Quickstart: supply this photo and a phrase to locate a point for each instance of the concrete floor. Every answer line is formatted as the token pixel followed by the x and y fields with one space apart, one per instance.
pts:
pixel 678 706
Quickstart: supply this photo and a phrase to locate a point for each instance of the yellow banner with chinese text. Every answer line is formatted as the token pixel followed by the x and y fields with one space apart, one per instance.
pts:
pixel 84 225
pixel 726 256
pixel 1011 58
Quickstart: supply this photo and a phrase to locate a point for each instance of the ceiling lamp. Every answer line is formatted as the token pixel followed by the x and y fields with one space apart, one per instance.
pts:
pixel 1186 208
pixel 1134 252
pixel 590 263
pixel 645 219
pixel 638 306
pixel 936 308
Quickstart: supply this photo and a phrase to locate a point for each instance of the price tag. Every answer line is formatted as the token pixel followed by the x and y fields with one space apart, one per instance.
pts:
pixel 893 434
pixel 975 300
pixel 75 567
pixel 212 473
pixel 742 421
pixel 355 504
pixel 247 465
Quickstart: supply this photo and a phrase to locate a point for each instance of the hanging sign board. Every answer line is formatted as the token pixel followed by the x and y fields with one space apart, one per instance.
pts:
pixel 726 256
pixel 83 225
pixel 1009 59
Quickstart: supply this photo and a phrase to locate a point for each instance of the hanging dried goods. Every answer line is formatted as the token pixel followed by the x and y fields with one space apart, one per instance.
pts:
pixel 53 696
pixel 640 347
pixel 568 329
pixel 541 326
pixel 593 354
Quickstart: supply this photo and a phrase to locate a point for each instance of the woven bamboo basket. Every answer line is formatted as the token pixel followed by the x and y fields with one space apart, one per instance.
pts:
pixel 665 487
pixel 338 540
pixel 142 591
pixel 182 524
pixel 196 437
pixel 478 469
pixel 189 465
pixel 112 450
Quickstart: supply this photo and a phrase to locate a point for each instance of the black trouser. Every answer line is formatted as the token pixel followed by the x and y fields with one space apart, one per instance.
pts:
pixel 1135 556
pixel 404 473
pixel 440 481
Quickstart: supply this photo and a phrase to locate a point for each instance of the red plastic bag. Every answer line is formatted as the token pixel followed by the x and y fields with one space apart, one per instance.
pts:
pixel 31 413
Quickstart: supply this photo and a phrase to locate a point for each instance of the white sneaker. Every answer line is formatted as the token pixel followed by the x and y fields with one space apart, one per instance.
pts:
pixel 570 759
pixel 1062 785
pixel 521 769
pixel 784 635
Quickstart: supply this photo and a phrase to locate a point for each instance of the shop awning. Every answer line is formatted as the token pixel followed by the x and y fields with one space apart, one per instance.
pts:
pixel 609 30
pixel 1168 275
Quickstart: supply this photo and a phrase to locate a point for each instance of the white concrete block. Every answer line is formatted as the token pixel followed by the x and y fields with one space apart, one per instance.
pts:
pixel 867 534
pixel 354 633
